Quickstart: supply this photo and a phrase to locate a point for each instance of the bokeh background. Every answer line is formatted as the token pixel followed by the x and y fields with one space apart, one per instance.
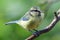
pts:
pixel 14 9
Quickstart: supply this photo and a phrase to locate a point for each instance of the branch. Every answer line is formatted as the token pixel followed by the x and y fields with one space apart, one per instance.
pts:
pixel 48 28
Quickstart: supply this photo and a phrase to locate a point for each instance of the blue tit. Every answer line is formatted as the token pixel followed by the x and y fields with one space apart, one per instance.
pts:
pixel 31 19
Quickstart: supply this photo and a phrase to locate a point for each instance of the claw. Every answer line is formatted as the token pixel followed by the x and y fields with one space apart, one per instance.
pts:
pixel 36 33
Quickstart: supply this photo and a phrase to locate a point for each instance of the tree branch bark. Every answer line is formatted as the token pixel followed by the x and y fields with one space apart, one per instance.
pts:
pixel 48 28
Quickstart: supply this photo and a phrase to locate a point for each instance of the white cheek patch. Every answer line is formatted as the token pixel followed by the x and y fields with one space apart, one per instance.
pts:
pixel 34 13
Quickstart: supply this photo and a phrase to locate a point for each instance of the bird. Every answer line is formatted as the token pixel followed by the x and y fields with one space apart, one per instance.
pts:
pixel 31 19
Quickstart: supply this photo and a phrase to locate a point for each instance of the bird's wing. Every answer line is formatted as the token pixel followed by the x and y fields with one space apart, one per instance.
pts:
pixel 26 17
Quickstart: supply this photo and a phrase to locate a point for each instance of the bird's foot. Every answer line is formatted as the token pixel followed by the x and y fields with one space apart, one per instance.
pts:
pixel 36 33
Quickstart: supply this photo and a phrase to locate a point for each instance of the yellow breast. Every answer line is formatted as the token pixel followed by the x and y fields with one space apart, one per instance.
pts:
pixel 32 23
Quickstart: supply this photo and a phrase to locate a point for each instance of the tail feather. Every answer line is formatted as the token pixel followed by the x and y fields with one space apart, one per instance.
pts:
pixel 11 22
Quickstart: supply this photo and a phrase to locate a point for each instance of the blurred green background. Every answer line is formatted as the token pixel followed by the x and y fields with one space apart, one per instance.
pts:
pixel 14 9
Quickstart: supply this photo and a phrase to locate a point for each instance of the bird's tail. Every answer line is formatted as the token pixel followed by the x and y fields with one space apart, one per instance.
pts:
pixel 11 22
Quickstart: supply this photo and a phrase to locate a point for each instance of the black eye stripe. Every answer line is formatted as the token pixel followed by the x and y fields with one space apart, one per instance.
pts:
pixel 35 11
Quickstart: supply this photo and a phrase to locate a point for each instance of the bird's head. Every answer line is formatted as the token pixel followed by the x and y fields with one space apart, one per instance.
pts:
pixel 35 11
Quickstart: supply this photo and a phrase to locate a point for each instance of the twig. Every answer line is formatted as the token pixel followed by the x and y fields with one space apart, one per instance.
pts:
pixel 48 28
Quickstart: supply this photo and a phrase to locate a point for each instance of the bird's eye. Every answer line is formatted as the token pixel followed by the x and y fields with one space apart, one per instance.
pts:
pixel 39 12
pixel 35 13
